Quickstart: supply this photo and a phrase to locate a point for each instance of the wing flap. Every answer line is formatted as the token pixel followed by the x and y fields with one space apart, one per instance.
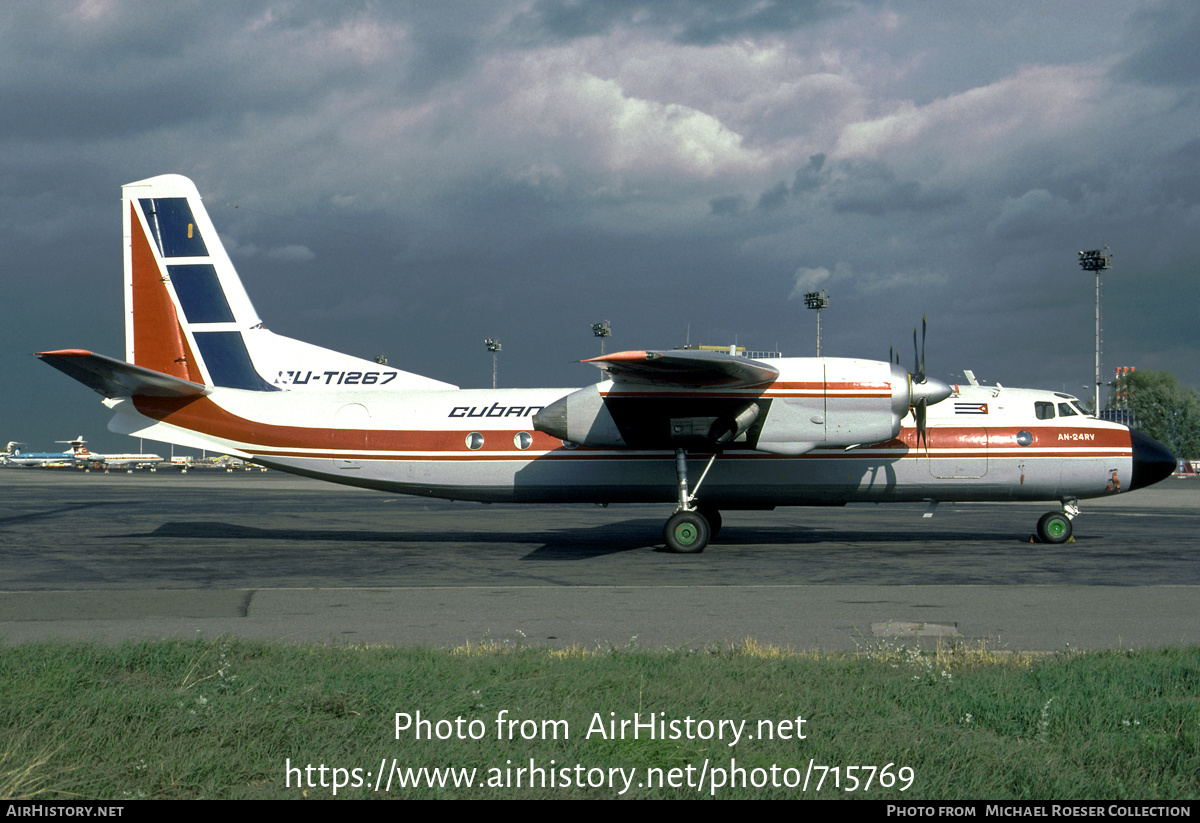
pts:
pixel 685 369
pixel 116 378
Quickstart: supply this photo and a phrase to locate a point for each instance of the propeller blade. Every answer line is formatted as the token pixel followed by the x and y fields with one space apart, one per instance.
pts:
pixel 919 354
pixel 918 375
pixel 923 329
pixel 923 390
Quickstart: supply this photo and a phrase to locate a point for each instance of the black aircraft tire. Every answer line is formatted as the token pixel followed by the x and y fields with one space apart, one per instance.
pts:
pixel 1054 527
pixel 686 533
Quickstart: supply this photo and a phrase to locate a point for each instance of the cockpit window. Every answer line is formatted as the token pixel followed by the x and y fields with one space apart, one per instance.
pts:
pixel 1065 410
pixel 1043 410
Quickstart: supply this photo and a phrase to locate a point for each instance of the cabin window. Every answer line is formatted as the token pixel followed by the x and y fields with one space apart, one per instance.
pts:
pixel 1043 410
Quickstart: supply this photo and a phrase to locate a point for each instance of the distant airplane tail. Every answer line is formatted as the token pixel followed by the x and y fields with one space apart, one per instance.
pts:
pixel 77 447
pixel 188 316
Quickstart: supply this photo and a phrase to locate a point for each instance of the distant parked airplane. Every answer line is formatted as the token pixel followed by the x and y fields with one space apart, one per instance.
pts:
pixel 111 461
pixel 13 456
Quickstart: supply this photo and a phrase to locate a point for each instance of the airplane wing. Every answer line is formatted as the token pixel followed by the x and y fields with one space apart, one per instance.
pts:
pixel 116 378
pixel 686 369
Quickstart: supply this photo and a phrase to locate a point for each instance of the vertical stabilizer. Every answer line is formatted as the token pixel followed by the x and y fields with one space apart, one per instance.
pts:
pixel 187 314
pixel 185 306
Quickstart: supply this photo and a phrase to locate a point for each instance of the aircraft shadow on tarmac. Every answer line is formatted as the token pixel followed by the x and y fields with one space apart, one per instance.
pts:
pixel 583 542
pixel 565 544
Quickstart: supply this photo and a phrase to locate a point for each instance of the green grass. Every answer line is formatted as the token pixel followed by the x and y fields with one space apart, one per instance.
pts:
pixel 222 719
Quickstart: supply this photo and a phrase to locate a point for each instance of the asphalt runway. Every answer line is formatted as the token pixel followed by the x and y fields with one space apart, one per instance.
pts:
pixel 271 556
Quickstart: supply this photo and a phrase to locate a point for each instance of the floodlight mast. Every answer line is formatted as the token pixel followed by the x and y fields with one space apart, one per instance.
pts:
pixel 494 347
pixel 817 300
pixel 602 330
pixel 1096 260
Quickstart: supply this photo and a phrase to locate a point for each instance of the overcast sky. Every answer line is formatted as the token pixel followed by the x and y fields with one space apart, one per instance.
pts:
pixel 409 178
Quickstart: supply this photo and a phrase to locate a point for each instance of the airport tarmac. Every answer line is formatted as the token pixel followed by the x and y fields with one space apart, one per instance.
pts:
pixel 270 556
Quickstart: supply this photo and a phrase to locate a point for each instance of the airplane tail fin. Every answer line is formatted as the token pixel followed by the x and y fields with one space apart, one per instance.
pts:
pixel 187 314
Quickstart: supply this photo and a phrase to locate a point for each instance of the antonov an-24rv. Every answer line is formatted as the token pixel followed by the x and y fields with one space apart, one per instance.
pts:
pixel 705 430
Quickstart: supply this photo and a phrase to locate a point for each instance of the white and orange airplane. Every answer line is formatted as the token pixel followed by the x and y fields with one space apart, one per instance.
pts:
pixel 124 461
pixel 202 371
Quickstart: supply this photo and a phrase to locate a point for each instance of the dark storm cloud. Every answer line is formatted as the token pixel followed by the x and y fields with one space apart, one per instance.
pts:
pixel 774 198
pixel 125 68
pixel 812 176
pixel 728 205
pixel 696 22
pixel 1166 54
pixel 1182 183
pixel 860 186
pixel 80 77
pixel 871 187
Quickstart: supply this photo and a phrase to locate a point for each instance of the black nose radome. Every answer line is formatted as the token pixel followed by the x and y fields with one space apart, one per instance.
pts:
pixel 1151 460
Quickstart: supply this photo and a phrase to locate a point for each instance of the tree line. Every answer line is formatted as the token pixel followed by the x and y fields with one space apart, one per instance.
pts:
pixel 1163 409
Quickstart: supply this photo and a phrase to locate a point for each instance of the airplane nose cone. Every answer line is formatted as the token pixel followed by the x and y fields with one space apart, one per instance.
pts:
pixel 1152 461
pixel 931 391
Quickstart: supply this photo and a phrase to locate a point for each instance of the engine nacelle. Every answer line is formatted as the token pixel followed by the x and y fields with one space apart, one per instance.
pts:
pixel 581 417
pixel 836 402
pixel 814 402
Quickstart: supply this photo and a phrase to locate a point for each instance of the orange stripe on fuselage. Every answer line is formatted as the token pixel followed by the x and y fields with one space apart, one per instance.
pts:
pixel 1069 440
pixel 204 416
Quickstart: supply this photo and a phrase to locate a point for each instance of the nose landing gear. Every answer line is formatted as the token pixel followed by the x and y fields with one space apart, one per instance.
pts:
pixel 1055 527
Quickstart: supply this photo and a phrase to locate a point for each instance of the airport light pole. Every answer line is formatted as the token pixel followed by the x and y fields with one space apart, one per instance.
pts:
pixel 817 300
pixel 1096 260
pixel 602 330
pixel 494 347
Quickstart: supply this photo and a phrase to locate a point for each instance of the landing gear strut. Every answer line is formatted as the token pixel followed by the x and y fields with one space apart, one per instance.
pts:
pixel 690 528
pixel 1055 527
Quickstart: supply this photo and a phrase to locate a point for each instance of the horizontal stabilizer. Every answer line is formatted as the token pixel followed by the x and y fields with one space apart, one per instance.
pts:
pixel 687 369
pixel 116 378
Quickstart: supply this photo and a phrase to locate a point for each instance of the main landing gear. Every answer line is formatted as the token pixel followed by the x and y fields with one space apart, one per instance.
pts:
pixel 690 528
pixel 1055 527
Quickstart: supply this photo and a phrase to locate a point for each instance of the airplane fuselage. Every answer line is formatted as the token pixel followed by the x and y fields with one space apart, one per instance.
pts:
pixel 38 459
pixel 983 443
